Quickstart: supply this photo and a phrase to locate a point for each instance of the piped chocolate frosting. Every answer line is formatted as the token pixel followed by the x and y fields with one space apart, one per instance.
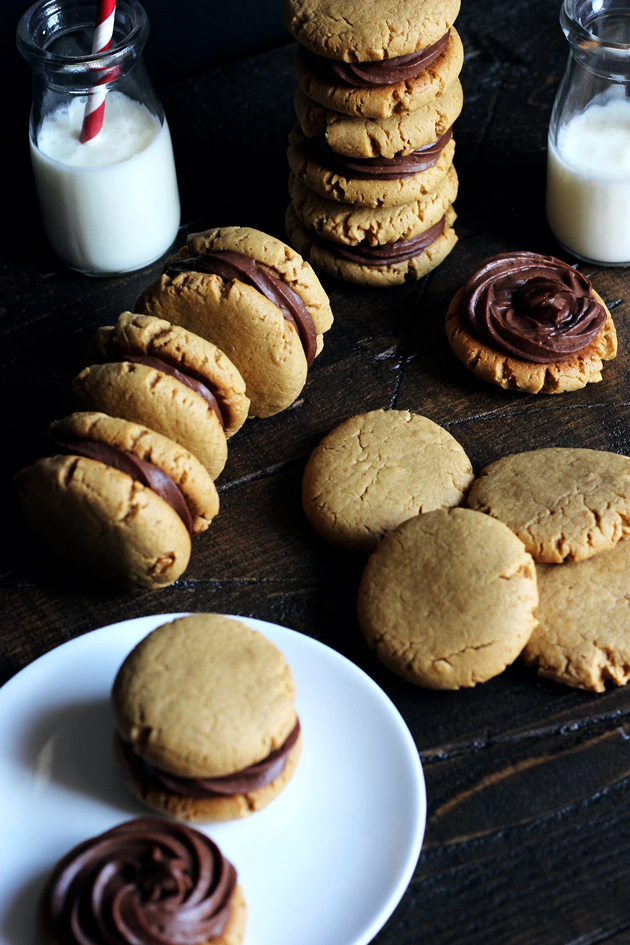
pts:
pixel 143 882
pixel 534 307
pixel 381 168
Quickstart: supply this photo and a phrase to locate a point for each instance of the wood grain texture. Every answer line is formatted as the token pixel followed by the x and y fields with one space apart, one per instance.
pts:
pixel 528 783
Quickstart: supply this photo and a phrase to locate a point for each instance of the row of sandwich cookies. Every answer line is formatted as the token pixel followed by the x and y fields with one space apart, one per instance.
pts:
pixel 133 470
pixel 372 180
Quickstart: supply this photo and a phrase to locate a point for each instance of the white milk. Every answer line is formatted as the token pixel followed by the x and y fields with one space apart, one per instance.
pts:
pixel 110 205
pixel 588 181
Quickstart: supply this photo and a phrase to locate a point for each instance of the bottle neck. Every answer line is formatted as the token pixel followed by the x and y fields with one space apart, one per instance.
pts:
pixel 598 32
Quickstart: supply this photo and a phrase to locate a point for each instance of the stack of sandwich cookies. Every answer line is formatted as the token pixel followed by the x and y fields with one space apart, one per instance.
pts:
pixel 205 718
pixel 378 95
pixel 256 299
pixel 119 500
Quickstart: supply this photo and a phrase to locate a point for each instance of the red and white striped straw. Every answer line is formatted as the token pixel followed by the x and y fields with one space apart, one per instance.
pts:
pixel 102 40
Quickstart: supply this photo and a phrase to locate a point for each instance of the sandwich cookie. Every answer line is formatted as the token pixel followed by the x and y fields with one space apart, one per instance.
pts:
pixel 120 502
pixel 447 600
pixel 205 718
pixel 531 323
pixel 349 226
pixel 144 881
pixel 357 137
pixel 376 470
pixel 565 504
pixel 254 297
pixel 170 380
pixel 377 266
pixel 383 88
pixel 369 182
pixel 583 633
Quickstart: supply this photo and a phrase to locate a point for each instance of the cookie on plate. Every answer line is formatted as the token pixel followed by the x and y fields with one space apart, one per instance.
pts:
pixel 119 501
pixel 583 633
pixel 256 299
pixel 376 470
pixel 369 182
pixel 206 721
pixel 144 880
pixel 376 266
pixel 171 392
pixel 565 504
pixel 350 226
pixel 531 323
pixel 447 600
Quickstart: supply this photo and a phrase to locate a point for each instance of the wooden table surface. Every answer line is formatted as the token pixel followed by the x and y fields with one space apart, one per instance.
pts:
pixel 528 782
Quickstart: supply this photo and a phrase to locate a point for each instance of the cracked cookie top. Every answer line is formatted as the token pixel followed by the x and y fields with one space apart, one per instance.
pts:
pixel 565 504
pixel 447 599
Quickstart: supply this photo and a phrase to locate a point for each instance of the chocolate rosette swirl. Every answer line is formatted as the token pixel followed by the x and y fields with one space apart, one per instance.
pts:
pixel 145 882
pixel 534 307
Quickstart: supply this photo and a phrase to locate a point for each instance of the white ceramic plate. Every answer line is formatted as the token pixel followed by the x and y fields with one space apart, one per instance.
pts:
pixel 326 862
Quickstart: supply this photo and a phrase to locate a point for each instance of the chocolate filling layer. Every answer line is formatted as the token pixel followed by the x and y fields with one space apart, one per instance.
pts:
pixel 384 71
pixel 200 387
pixel 535 307
pixel 248 779
pixel 388 253
pixel 143 882
pixel 139 469
pixel 231 265
pixel 403 165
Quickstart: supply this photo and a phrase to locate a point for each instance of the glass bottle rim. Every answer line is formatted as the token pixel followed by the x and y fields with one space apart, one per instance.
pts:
pixel 583 39
pixel 131 12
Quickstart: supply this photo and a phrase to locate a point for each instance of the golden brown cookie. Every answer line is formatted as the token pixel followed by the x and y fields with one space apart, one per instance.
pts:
pixel 532 323
pixel 376 470
pixel 387 137
pixel 583 633
pixel 362 32
pixel 205 717
pixel 325 255
pixel 343 223
pixel 447 599
pixel 144 880
pixel 271 351
pixel 184 469
pixel 181 349
pixel 565 504
pixel 382 101
pixel 316 172
pixel 102 522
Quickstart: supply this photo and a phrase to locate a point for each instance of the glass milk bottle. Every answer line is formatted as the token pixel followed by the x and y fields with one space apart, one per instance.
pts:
pixel 111 204
pixel 588 168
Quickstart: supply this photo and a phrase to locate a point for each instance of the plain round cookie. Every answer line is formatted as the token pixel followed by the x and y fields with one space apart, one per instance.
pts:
pixel 100 521
pixel 367 32
pixel 583 633
pixel 565 504
pixel 184 469
pixel 139 334
pixel 447 599
pixel 511 373
pixel 382 101
pixel 376 470
pixel 240 320
pixel 332 185
pixel 342 223
pixel 324 257
pixel 204 696
pixel 368 137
